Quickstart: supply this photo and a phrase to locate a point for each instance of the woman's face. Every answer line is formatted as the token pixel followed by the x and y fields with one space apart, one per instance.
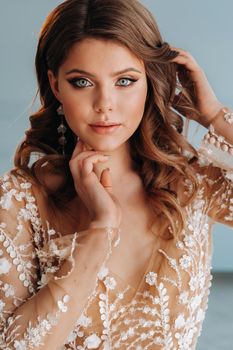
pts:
pixel 93 89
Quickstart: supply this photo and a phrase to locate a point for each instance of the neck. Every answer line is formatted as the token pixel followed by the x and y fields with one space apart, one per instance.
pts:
pixel 120 164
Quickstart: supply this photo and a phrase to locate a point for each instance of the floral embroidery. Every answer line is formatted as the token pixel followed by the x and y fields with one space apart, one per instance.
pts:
pixel 5 266
pixel 167 310
pixel 92 342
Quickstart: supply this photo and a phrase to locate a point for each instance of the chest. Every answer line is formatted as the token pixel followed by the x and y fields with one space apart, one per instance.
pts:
pixel 131 258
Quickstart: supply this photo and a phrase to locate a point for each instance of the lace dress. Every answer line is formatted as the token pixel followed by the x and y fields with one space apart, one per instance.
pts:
pixel 167 308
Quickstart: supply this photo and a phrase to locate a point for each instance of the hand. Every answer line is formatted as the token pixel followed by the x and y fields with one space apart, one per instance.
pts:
pixel 194 79
pixel 97 195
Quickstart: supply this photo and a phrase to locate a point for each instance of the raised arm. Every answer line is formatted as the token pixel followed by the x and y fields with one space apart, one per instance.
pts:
pixel 216 166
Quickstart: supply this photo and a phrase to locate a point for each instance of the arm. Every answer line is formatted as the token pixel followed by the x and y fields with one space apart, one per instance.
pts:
pixel 41 319
pixel 216 165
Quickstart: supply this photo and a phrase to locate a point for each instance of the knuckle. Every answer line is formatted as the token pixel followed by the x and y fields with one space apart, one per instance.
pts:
pixel 85 162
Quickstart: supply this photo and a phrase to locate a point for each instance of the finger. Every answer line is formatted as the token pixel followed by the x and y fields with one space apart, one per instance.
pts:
pixel 88 163
pixel 75 163
pixel 106 180
pixel 181 52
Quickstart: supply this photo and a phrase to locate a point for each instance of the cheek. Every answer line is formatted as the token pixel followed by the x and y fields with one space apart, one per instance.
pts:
pixel 136 104
pixel 75 108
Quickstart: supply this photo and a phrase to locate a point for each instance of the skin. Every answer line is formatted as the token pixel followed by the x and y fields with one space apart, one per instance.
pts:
pixel 103 98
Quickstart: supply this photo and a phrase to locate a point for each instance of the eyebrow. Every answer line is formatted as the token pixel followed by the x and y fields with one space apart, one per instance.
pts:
pixel 75 70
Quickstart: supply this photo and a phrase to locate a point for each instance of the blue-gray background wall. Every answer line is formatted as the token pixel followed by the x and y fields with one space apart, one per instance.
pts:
pixel 202 27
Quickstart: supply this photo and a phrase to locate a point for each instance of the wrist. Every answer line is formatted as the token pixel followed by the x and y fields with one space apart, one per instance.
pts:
pixel 217 111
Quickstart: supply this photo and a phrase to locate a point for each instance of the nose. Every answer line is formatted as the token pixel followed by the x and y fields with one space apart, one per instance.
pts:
pixel 104 101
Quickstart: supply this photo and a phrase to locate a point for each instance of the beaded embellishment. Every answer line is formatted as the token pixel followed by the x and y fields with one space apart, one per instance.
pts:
pixel 218 141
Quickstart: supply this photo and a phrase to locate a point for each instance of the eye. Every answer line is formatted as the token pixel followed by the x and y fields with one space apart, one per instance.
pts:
pixel 79 82
pixel 126 80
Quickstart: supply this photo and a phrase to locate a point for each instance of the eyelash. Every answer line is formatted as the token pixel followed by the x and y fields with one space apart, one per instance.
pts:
pixel 74 80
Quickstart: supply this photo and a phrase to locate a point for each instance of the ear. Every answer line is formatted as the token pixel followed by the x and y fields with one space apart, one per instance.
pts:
pixel 54 84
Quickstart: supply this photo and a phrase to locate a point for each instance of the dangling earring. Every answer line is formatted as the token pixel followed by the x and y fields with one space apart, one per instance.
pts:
pixel 61 129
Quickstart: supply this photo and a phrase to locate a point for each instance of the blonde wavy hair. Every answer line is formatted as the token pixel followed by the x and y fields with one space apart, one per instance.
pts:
pixel 157 146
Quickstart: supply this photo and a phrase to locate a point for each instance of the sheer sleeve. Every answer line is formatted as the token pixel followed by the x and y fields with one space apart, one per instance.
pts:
pixel 18 265
pixel 215 170
pixel 40 299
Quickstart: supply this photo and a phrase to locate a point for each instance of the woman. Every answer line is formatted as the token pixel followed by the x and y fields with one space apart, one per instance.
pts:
pixel 105 226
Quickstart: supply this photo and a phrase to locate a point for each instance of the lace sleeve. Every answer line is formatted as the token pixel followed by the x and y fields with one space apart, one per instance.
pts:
pixel 18 266
pixel 40 298
pixel 215 167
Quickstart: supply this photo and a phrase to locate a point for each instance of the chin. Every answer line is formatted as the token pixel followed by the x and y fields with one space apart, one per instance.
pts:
pixel 103 147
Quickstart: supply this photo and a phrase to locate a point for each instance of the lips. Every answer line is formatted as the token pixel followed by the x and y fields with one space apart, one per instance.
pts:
pixel 104 124
pixel 102 130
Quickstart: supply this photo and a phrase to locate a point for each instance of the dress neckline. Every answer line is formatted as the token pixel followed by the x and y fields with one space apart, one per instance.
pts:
pixel 142 280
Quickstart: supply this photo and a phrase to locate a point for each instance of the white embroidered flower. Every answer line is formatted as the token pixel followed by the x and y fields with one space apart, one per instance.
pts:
pixel 143 336
pixel 5 266
pixel 51 232
pixel 62 307
pixel 110 282
pixel 184 340
pixel 72 337
pixel 180 321
pixel 146 294
pixel 185 262
pixel 200 315
pixel 103 273
pixel 189 241
pixel 84 321
pixel 126 321
pixel 112 307
pixel 193 283
pixel 19 227
pixel 25 214
pixel 195 302
pixel 8 290
pixel 31 199
pixel 190 227
pixel 25 185
pixel 120 295
pixel 156 300
pixel 34 335
pixel 131 331
pixel 2 304
pixel 198 204
pixel 183 298
pixel 180 245
pixel 92 342
pixel 45 326
pixel 158 341
pixel 5 178
pixel 151 278
pixel 146 309
pixel 6 199
pixel 19 196
pixel 20 345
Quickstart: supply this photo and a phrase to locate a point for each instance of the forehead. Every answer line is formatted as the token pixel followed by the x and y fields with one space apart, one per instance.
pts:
pixel 97 54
